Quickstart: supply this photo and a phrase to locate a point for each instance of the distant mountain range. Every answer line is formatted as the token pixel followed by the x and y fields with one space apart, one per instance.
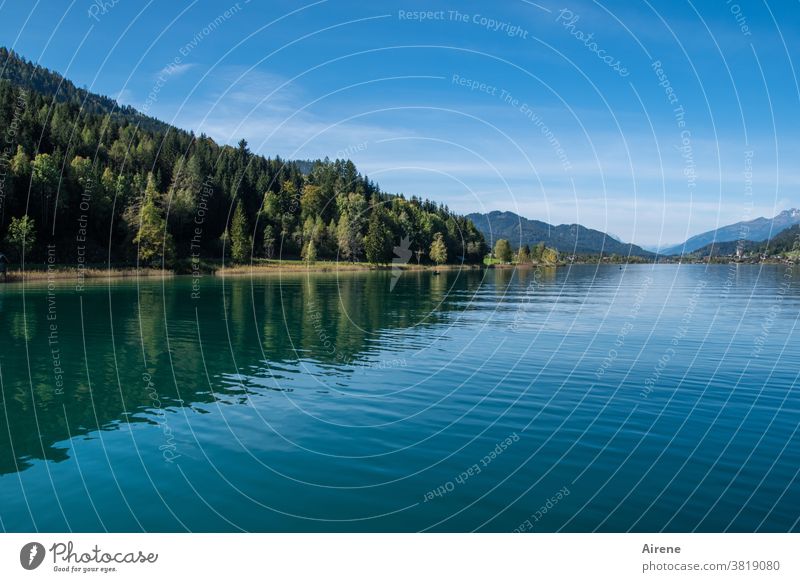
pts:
pixel 782 243
pixel 567 238
pixel 759 235
pixel 759 229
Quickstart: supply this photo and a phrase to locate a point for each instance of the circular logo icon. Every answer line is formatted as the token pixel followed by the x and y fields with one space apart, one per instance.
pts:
pixel 31 555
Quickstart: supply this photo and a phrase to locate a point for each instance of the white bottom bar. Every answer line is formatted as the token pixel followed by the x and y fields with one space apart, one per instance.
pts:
pixel 388 557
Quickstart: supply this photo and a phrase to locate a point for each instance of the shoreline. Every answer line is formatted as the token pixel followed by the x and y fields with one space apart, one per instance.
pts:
pixel 327 267
pixel 64 273
pixel 42 273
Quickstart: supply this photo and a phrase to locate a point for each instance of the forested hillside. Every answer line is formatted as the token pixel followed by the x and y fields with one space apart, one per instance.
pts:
pixel 89 181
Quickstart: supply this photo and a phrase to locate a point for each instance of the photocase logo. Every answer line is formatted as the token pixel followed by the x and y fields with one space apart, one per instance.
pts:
pixel 402 257
pixel 31 555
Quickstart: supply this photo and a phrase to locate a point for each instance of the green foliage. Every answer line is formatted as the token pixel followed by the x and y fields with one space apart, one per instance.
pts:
pixel 438 252
pixel 82 171
pixel 268 241
pixel 45 173
pixel 378 242
pixel 240 240
pixel 21 234
pixel 112 166
pixel 502 251
pixel 310 253
pixel 153 243
pixel 45 176
pixel 21 163
pixel 524 255
pixel 312 201
pixel 349 238
pixel 549 256
pixel 537 252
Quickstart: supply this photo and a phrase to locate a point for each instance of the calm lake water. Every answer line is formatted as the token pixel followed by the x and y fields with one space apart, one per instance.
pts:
pixel 589 398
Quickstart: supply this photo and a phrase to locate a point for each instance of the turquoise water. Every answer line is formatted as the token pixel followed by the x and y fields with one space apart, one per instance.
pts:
pixel 645 398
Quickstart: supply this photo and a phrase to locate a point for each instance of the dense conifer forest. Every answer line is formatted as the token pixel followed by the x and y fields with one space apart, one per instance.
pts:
pixel 85 180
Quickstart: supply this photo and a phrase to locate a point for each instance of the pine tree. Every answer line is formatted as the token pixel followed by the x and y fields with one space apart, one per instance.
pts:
pixel 378 242
pixel 240 240
pixel 154 243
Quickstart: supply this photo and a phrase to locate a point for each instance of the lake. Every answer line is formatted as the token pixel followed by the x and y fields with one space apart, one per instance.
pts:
pixel 590 398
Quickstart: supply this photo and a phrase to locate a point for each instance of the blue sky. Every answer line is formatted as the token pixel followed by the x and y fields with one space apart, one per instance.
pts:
pixel 650 120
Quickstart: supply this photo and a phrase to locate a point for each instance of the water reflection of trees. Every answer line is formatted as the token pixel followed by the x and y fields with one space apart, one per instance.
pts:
pixel 134 333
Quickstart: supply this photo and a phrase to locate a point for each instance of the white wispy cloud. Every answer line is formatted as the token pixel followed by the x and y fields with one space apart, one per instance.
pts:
pixel 274 114
pixel 176 70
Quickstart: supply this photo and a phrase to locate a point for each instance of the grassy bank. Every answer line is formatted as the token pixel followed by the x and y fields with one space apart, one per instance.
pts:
pixel 40 272
pixel 267 266
pixel 526 265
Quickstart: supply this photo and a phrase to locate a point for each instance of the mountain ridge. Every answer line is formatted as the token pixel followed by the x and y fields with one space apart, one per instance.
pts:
pixel 757 229
pixel 566 238
pixel 786 241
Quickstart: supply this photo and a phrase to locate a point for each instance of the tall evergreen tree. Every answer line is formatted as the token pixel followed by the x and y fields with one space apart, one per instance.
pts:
pixel 240 239
pixel 378 241
pixel 154 244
